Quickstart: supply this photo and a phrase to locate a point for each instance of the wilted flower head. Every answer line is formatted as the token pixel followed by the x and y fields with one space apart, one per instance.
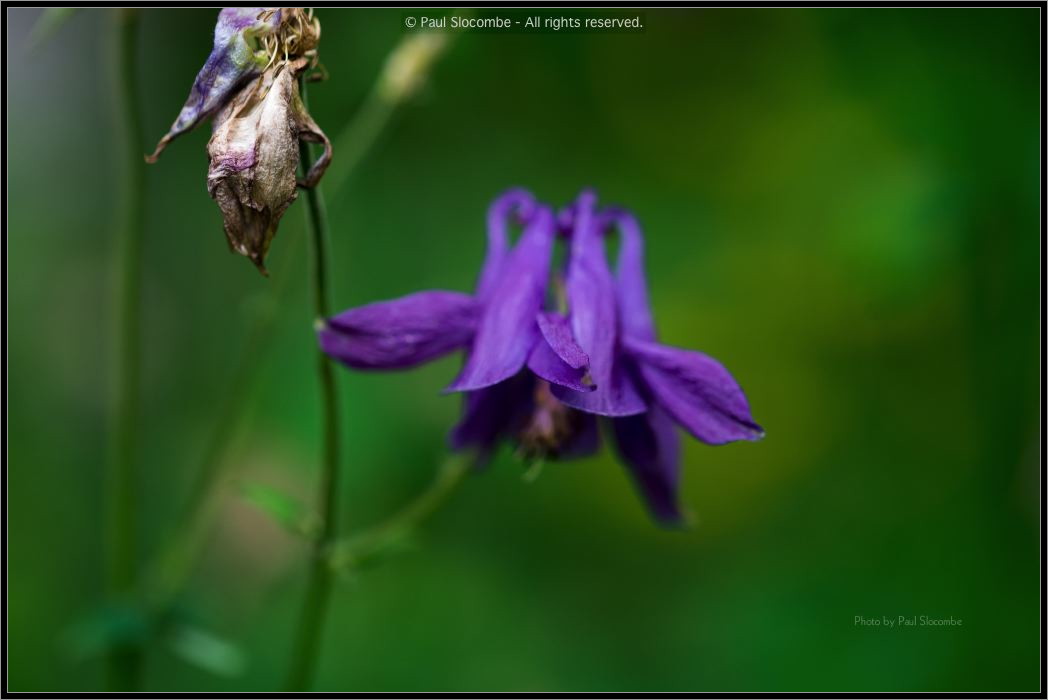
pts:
pixel 237 57
pixel 249 85
pixel 254 155
pixel 537 375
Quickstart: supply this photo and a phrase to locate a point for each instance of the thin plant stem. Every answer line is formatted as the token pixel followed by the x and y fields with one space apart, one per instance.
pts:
pixel 171 567
pixel 125 659
pixel 314 610
pixel 173 564
pixel 351 552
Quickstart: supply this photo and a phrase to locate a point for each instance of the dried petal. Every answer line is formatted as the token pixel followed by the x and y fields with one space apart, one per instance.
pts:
pixel 309 131
pixel 254 156
pixel 235 59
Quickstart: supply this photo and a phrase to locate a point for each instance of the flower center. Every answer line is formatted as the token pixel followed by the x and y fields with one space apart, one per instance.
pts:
pixel 550 427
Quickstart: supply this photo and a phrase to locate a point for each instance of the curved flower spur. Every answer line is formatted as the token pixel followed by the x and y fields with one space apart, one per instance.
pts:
pixel 249 85
pixel 538 376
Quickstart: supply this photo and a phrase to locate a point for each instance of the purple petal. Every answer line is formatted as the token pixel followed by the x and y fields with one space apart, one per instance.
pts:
pixel 507 330
pixel 557 331
pixel 585 441
pixel 697 391
pixel 650 446
pixel 617 396
pixel 494 413
pixel 631 287
pixel 402 332
pixel 591 296
pixel 233 61
pixel 517 201
pixel 548 365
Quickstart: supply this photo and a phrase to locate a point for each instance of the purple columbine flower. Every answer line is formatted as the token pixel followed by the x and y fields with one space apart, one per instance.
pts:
pixel 537 375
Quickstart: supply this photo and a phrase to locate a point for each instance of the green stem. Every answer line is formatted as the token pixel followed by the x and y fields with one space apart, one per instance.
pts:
pixel 124 668
pixel 351 552
pixel 172 566
pixel 318 590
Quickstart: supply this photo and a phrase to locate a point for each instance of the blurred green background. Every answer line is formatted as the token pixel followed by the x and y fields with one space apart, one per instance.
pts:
pixel 840 205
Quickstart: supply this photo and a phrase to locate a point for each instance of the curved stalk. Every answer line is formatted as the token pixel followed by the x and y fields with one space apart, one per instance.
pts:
pixel 172 565
pixel 355 551
pixel 311 624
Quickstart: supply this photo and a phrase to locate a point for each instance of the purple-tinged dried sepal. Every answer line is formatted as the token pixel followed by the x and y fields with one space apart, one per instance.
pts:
pixel 237 56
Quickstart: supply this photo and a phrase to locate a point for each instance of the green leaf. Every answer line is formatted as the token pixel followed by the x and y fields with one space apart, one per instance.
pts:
pixel 289 513
pixel 205 650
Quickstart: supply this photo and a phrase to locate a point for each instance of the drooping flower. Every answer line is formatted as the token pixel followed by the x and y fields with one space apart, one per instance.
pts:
pixel 254 155
pixel 538 376
pixel 249 85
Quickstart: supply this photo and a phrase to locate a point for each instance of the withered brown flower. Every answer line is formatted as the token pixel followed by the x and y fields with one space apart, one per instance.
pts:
pixel 250 86
pixel 254 154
